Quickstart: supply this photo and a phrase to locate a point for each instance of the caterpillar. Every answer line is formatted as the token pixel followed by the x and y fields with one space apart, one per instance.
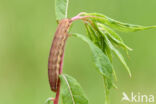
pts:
pixel 57 52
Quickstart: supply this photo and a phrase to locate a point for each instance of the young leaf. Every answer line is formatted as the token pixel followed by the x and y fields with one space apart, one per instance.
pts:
pixel 117 53
pixel 113 36
pixel 106 49
pixel 61 9
pixel 108 52
pixel 121 58
pixel 124 27
pixel 102 62
pixel 108 42
pixel 92 33
pixel 71 91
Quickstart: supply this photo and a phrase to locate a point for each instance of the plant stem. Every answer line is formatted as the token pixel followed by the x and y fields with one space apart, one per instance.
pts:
pixel 56 100
pixel 79 17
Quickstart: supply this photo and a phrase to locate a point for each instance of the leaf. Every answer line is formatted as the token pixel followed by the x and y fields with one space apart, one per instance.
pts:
pixel 106 49
pixel 102 62
pixel 92 34
pixel 97 39
pixel 61 9
pixel 113 36
pixel 117 53
pixel 108 42
pixel 108 52
pixel 121 58
pixel 124 27
pixel 71 91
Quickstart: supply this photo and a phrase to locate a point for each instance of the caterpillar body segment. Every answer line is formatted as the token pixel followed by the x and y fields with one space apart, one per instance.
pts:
pixel 56 53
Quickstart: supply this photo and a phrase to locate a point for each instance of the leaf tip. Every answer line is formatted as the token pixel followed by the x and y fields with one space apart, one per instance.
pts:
pixel 130 74
pixel 130 49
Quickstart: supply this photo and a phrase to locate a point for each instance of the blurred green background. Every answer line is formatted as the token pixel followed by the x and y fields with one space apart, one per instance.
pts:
pixel 26 31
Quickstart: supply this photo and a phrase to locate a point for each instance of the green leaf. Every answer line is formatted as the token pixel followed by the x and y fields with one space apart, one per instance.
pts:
pixel 71 91
pixel 124 27
pixel 108 42
pixel 113 36
pixel 117 53
pixel 106 49
pixel 102 62
pixel 108 52
pixel 61 9
pixel 97 39
pixel 121 58
pixel 92 34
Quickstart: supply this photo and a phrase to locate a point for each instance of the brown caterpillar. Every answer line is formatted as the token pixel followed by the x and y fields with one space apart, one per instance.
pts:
pixel 56 53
